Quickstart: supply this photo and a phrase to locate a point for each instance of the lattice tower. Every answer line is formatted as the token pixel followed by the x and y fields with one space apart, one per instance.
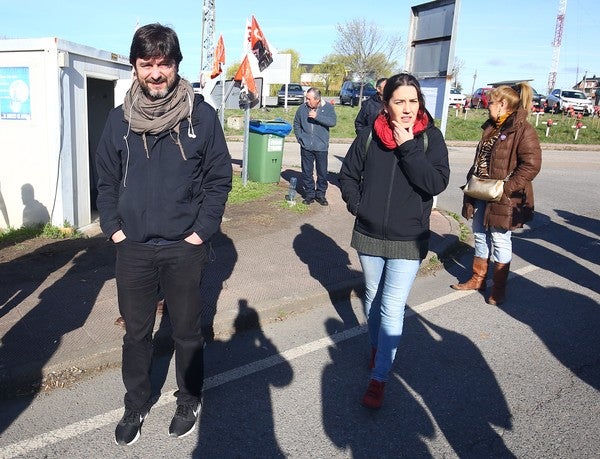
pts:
pixel 208 35
pixel 558 31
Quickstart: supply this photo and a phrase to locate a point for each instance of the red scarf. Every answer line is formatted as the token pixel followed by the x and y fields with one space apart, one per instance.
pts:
pixel 385 133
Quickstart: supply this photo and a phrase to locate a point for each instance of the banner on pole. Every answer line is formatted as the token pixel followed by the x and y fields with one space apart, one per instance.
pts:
pixel 219 58
pixel 248 91
pixel 259 46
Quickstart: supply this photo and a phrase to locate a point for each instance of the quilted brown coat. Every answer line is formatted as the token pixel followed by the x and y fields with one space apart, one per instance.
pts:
pixel 516 153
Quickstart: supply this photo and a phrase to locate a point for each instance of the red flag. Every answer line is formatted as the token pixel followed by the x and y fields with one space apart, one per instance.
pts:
pixel 248 93
pixel 219 58
pixel 259 46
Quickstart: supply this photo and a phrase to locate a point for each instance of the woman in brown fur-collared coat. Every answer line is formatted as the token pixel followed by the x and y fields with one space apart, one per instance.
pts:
pixel 509 149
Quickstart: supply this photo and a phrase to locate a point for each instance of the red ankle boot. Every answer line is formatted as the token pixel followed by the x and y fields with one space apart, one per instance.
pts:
pixel 373 398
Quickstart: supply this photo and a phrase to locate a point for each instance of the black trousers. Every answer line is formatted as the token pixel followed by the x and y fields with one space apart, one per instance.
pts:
pixel 177 269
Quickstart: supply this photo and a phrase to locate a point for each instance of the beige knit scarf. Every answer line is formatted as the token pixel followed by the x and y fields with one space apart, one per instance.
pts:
pixel 152 117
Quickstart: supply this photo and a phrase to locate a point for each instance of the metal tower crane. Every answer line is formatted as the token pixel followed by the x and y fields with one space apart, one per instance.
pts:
pixel 560 19
pixel 208 37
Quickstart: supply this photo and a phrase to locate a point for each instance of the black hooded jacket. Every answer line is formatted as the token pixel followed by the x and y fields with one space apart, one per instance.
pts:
pixel 369 110
pixel 391 191
pixel 159 193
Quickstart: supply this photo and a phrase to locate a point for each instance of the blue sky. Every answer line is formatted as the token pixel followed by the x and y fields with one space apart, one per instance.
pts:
pixel 513 42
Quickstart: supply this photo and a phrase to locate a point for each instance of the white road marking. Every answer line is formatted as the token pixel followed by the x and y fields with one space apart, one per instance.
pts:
pixel 79 428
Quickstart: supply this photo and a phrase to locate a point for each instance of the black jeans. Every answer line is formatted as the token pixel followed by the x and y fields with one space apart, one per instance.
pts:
pixel 177 269
pixel 308 159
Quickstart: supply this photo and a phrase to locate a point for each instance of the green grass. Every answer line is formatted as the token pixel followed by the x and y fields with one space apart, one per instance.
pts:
pixel 299 208
pixel 11 236
pixel 457 128
pixel 465 232
pixel 252 191
pixel 469 128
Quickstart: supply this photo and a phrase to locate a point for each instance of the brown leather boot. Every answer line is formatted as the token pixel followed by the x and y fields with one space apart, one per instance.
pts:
pixel 498 294
pixel 477 280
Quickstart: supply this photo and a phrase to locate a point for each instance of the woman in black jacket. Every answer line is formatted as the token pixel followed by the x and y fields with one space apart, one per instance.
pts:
pixel 388 181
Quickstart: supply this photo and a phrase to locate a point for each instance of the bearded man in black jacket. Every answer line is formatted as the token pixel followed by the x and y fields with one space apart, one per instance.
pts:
pixel 164 176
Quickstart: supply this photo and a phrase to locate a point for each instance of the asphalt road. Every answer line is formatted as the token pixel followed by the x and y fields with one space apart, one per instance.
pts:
pixel 470 380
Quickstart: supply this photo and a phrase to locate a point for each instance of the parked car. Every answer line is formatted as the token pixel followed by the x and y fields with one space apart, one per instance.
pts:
pixel 480 98
pixel 295 94
pixel 350 92
pixel 559 100
pixel 538 99
pixel 456 97
pixel 197 87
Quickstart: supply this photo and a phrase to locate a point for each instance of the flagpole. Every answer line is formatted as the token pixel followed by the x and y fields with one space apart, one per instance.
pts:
pixel 246 135
pixel 260 49
pixel 222 111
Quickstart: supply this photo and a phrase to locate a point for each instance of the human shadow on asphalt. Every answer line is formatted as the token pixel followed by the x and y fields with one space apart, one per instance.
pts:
pixel 586 223
pixel 222 259
pixel 237 418
pixel 397 430
pixel 24 275
pixel 63 305
pixel 449 373
pixel 436 370
pixel 567 322
pixel 580 245
pixel 328 263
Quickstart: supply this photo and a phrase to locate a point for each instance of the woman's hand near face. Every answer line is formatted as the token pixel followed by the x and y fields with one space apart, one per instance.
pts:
pixel 401 134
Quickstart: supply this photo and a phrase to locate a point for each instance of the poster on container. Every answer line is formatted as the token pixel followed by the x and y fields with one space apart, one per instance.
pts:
pixel 14 93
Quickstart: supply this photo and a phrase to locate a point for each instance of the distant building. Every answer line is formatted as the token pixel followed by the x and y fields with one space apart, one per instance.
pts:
pixel 588 86
pixel 308 77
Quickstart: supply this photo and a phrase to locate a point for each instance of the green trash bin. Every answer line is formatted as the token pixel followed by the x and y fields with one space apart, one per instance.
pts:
pixel 265 150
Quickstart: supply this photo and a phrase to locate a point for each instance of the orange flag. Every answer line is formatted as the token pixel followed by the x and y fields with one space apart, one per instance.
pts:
pixel 218 59
pixel 259 46
pixel 248 93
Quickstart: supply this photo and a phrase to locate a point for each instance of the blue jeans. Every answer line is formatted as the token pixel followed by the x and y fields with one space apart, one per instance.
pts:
pixel 499 239
pixel 309 159
pixel 388 283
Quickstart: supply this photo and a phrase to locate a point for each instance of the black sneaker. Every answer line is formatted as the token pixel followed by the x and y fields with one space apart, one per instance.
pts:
pixel 129 427
pixel 322 201
pixel 308 201
pixel 184 421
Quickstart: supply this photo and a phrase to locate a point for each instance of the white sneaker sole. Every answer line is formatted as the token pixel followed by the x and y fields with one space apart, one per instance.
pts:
pixel 189 431
pixel 138 435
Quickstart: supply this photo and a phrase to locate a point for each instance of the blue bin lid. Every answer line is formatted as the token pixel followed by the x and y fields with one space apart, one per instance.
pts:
pixel 277 127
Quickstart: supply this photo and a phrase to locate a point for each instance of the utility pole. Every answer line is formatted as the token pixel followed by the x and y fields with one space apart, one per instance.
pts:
pixel 474 78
